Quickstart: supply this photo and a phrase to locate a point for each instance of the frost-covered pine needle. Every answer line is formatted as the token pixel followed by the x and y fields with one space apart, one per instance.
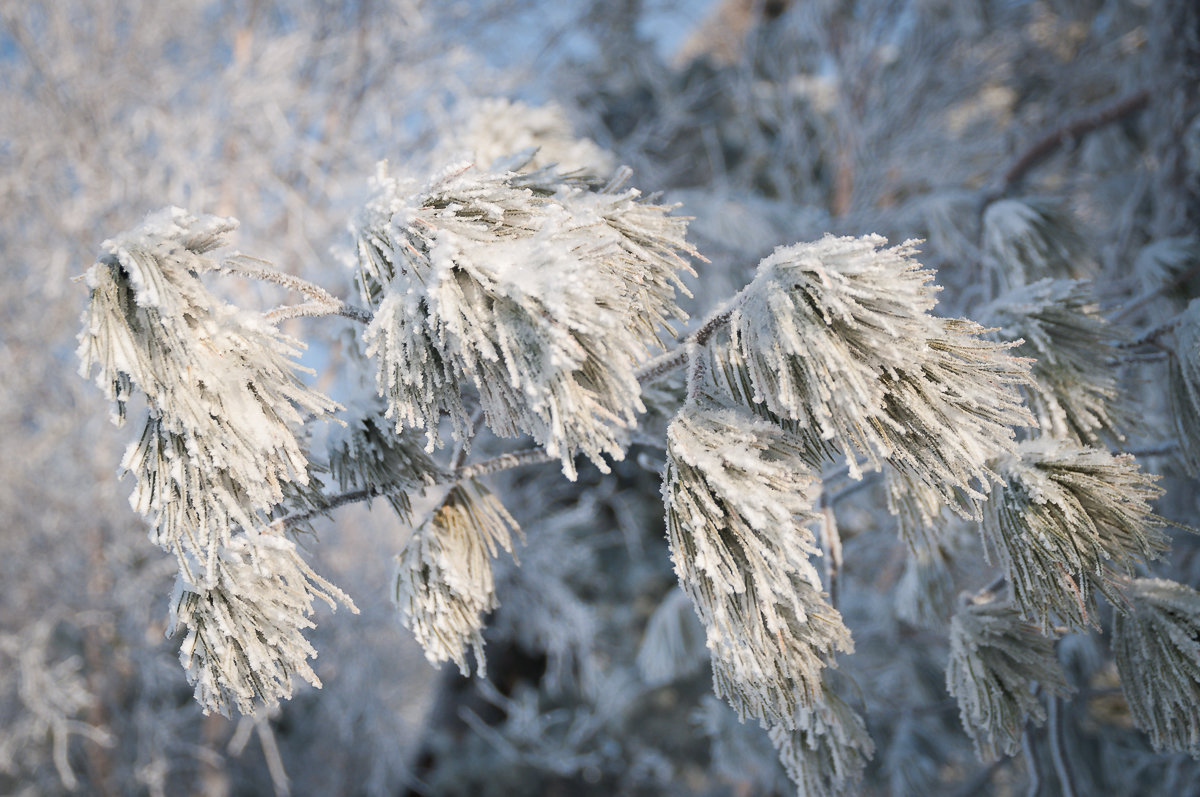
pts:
pixel 541 295
pixel 367 454
pixel 995 658
pixel 1074 391
pixel 245 637
pixel 1025 239
pixel 1156 643
pixel 1067 522
pixel 673 645
pixel 837 338
pixel 221 450
pixel 222 438
pixel 827 750
pixel 444 583
pixel 737 495
pixel 498 134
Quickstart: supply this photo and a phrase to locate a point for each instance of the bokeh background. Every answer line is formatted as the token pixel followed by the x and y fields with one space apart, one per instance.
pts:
pixel 769 121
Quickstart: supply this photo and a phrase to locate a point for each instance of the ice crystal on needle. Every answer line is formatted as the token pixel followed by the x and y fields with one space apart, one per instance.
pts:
pixel 737 497
pixel 837 337
pixel 444 583
pixel 537 292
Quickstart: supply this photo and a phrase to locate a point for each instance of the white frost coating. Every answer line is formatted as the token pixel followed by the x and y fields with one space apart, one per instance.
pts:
pixel 245 637
pixel 994 657
pixel 444 583
pixel 827 750
pixel 836 337
pixel 537 292
pixel 500 134
pixel 1074 392
pixel 1156 643
pixel 1069 521
pixel 737 496
pixel 221 448
pixel 1028 238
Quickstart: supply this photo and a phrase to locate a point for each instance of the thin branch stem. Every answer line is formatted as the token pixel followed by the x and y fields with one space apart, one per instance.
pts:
pixel 1031 761
pixel 1165 288
pixel 1164 449
pixel 1151 337
pixel 1048 144
pixel 1058 753
pixel 322 301
pixel 674 359
pixel 514 459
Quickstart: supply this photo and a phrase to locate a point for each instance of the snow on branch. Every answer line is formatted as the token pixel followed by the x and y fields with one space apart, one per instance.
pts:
pixel 1156 643
pixel 995 659
pixel 444 582
pixel 1067 522
pixel 540 294
pixel 737 495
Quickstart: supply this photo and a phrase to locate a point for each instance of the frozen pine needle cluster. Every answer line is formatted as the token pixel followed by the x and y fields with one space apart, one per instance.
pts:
pixel 527 301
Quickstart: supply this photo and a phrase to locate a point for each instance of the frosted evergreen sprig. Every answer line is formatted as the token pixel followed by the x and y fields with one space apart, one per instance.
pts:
pixel 444 584
pixel 995 658
pixel 737 495
pixel 836 338
pixel 1184 385
pixel 1156 643
pixel 1068 522
pixel 245 639
pixel 1074 392
pixel 916 507
pixel 828 748
pixel 542 296
pixel 1024 239
pixel 222 444
pixel 925 589
pixel 368 454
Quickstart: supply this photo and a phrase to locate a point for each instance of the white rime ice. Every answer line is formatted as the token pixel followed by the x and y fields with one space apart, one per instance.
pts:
pixel 1156 643
pixel 444 582
pixel 536 291
pixel 1070 521
pixel 1074 392
pixel 1028 238
pixel 838 339
pixel 737 497
pixel 827 750
pixel 994 658
pixel 221 450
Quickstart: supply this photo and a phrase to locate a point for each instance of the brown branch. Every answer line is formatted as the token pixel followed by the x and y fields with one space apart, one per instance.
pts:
pixel 1045 146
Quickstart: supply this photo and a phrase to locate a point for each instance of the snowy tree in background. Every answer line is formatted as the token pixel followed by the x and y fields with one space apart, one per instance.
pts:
pixel 870 501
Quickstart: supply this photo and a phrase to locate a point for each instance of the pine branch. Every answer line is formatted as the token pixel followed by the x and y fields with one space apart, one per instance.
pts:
pixel 322 301
pixel 1048 144
pixel 507 461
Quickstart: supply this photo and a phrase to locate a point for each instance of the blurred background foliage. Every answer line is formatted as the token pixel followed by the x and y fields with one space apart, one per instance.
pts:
pixel 771 122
